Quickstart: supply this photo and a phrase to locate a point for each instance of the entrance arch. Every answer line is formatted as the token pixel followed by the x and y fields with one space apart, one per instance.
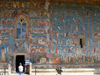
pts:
pixel 20 59
pixel 19 54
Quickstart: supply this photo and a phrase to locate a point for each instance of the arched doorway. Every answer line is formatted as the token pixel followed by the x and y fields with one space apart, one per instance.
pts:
pixel 20 59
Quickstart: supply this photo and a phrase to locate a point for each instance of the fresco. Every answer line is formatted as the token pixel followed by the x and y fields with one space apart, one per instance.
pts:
pixel 10 52
pixel 38 58
pixel 4 40
pixel 55 30
pixel 68 24
pixel 41 40
pixel 39 35
pixel 7 21
pixel 6 30
pixel 37 31
pixel 21 46
pixel 4 54
pixel 37 49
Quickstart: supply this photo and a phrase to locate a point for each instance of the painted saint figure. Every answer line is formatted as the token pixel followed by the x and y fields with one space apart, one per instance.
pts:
pixel 57 60
pixel 3 58
pixel 10 52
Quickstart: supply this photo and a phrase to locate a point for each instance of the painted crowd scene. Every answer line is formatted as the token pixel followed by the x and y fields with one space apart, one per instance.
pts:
pixel 51 33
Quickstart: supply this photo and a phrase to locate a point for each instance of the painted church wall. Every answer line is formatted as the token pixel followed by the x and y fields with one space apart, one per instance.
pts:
pixel 54 35
pixel 70 23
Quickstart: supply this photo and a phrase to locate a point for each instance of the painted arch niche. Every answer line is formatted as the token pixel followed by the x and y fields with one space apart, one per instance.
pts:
pixel 21 27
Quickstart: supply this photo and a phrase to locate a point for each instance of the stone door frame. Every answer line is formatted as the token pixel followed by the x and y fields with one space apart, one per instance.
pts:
pixel 15 54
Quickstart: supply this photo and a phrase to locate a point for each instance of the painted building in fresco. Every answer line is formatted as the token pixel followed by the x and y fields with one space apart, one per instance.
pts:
pixel 50 33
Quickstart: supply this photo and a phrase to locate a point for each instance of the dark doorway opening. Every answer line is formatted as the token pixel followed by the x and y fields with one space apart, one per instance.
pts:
pixel 81 43
pixel 20 59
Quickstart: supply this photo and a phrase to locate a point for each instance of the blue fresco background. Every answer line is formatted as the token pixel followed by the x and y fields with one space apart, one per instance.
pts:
pixel 53 34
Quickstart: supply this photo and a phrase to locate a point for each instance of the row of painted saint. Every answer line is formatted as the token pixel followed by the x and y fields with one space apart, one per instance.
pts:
pixel 76 50
pixel 74 42
pixel 64 59
pixel 42 4
pixel 30 13
pixel 58 60
pixel 60 45
pixel 39 31
pixel 33 22
pixel 69 50
pixel 7 21
pixel 38 40
pixel 6 30
pixel 37 49
pixel 59 20
pixel 24 4
pixel 84 15
pixel 63 17
pixel 34 30
pixel 65 49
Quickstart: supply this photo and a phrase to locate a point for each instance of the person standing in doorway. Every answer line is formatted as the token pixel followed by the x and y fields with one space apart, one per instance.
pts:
pixel 20 68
